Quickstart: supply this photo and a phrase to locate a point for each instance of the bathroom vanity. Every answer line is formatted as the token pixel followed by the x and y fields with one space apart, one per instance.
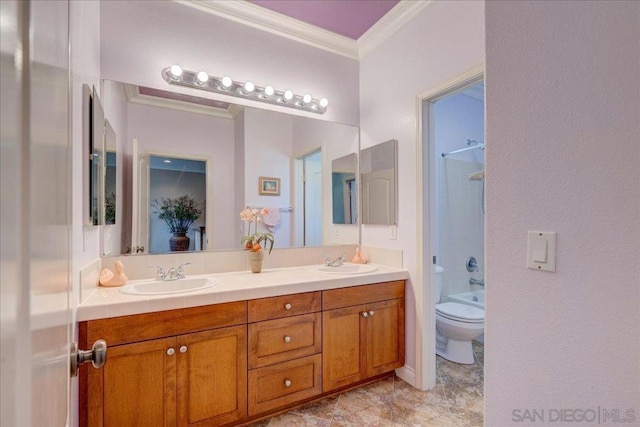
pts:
pixel 240 360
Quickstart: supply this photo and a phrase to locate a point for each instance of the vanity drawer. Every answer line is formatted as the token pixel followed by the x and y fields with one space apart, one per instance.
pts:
pixel 365 294
pixel 278 340
pixel 285 306
pixel 283 384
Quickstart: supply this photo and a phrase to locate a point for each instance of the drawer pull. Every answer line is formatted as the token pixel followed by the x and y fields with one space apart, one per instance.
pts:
pixel 171 351
pixel 371 312
pixel 183 349
pixel 287 338
pixel 287 306
pixel 287 383
pixel 365 314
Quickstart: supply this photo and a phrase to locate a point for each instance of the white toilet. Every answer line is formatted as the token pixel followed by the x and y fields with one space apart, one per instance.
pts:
pixel 456 326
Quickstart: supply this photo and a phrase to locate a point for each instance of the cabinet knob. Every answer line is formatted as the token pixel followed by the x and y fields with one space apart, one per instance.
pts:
pixel 171 351
pixel 287 383
pixel 371 312
pixel 365 314
pixel 287 338
pixel 287 306
pixel 183 349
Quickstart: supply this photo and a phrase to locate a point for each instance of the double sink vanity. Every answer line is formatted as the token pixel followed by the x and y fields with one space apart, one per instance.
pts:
pixel 232 348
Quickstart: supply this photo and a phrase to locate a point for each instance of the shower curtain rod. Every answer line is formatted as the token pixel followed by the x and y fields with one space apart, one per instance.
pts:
pixel 479 145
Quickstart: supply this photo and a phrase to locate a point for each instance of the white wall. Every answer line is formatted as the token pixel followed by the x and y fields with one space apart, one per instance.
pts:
pixel 443 41
pixel 183 134
pixel 140 38
pixel 267 152
pixel 84 23
pixel 563 109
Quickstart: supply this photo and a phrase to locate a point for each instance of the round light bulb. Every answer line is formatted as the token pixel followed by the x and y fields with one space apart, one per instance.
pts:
pixel 249 87
pixel 269 91
pixel 175 70
pixel 306 99
pixel 288 95
pixel 324 102
pixel 227 82
pixel 203 77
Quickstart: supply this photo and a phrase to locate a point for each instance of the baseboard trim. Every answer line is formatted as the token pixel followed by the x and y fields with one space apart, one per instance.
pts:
pixel 407 374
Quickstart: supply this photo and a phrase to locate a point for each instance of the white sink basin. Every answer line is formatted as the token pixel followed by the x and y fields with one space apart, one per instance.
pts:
pixel 348 268
pixel 160 287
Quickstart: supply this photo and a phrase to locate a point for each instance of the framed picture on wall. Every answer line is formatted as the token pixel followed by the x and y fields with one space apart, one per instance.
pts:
pixel 268 186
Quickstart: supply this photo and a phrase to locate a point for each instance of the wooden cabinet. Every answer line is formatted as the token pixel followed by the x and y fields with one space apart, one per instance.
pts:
pixel 226 364
pixel 197 378
pixel 284 351
pixel 363 333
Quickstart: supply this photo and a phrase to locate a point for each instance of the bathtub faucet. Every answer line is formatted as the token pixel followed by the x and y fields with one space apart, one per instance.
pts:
pixel 473 281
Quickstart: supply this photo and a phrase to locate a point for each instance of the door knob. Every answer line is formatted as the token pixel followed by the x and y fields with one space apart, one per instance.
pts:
pixel 287 383
pixel 97 356
pixel 365 314
pixel 287 339
pixel 287 306
pixel 371 312
pixel 183 349
pixel 171 351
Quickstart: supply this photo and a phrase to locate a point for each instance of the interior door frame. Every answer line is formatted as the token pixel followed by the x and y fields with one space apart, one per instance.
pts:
pixel 299 193
pixel 425 222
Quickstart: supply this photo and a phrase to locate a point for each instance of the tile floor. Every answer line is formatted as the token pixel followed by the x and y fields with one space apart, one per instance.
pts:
pixel 456 401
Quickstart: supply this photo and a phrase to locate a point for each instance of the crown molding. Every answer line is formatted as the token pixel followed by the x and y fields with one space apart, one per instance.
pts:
pixel 259 17
pixel 389 24
pixel 133 96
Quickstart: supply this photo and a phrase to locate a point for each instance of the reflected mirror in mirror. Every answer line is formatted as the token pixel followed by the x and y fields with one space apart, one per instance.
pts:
pixel 96 193
pixel 344 190
pixel 239 145
pixel 378 169
pixel 110 187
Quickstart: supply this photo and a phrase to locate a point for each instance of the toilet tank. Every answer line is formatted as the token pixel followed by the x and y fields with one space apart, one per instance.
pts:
pixel 438 275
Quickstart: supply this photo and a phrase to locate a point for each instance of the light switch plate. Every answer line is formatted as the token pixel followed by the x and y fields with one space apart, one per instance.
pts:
pixel 541 250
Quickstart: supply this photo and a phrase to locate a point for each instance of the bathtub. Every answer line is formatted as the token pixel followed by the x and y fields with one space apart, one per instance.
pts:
pixel 474 298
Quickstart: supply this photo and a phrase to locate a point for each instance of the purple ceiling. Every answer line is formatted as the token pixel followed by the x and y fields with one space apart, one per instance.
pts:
pixel 350 18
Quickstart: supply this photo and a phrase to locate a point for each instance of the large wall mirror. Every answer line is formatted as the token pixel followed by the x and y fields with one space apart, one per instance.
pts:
pixel 378 169
pixel 214 159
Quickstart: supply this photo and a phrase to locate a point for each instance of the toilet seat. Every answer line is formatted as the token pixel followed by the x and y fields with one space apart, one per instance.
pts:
pixel 460 312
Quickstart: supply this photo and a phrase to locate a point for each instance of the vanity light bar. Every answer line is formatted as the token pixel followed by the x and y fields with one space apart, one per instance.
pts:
pixel 201 80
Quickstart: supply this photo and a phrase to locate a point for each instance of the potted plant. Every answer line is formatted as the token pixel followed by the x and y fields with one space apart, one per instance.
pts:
pixel 255 242
pixel 179 214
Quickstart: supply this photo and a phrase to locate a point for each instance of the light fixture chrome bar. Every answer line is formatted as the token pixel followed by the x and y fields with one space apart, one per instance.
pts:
pixel 479 145
pixel 226 86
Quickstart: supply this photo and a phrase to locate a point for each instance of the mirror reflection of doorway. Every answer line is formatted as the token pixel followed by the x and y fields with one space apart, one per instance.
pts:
pixel 309 226
pixel 171 177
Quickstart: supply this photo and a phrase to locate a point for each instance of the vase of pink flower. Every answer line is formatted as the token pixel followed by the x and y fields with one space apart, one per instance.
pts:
pixel 255 242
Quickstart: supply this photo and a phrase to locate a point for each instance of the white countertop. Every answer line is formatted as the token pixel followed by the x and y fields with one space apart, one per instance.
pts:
pixel 236 286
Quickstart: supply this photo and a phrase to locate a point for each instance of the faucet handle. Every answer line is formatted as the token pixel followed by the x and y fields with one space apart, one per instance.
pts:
pixel 159 271
pixel 180 271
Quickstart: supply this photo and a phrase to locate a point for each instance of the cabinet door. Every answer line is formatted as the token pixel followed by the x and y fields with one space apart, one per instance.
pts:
pixel 135 387
pixel 343 347
pixel 212 376
pixel 385 336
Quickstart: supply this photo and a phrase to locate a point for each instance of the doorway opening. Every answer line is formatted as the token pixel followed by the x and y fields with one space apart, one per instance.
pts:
pixel 450 209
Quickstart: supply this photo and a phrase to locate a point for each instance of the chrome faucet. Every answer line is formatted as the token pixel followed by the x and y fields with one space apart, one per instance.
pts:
pixel 473 281
pixel 171 274
pixel 334 263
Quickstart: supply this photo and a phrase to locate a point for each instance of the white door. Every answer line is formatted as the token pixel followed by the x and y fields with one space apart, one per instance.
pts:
pixel 139 201
pixel 35 214
pixel 313 199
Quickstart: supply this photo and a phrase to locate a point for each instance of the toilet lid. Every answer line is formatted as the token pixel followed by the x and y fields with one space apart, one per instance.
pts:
pixel 454 310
